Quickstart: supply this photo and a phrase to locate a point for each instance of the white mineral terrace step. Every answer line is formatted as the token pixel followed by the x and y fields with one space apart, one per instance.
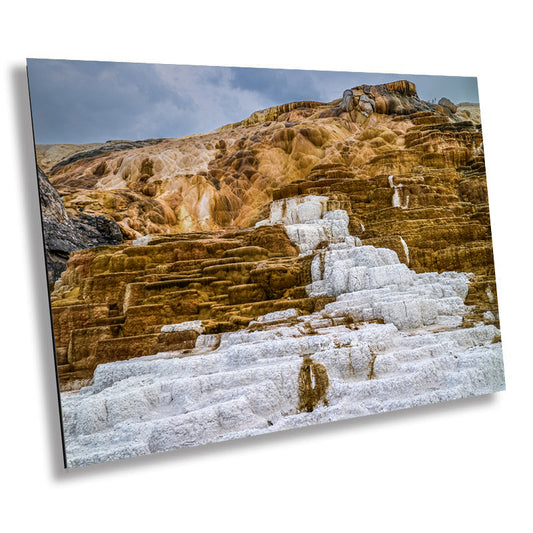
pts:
pixel 152 404
pixel 246 382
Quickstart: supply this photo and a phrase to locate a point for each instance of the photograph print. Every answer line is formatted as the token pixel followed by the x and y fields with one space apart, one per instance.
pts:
pixel 237 251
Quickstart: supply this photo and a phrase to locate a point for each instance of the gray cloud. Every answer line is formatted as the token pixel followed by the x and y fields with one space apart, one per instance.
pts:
pixel 88 101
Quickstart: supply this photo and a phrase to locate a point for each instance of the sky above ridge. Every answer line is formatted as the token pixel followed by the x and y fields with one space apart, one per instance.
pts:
pixel 81 102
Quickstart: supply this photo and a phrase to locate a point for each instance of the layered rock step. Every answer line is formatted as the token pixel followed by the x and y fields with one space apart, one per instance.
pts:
pixel 391 338
pixel 279 377
pixel 435 218
pixel 112 301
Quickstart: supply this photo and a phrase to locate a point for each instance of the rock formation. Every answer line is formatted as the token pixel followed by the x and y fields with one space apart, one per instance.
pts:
pixel 347 103
pixel 313 262
pixel 444 102
pixel 63 233
pixel 225 178
pixel 389 338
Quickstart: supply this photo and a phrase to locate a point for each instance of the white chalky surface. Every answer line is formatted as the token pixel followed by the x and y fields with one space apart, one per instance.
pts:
pixel 396 202
pixel 307 221
pixel 192 325
pixel 246 382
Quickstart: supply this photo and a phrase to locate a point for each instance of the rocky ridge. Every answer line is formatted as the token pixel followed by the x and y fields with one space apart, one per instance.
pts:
pixel 225 178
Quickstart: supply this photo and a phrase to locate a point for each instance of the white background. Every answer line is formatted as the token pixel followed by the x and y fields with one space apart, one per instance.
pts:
pixel 463 466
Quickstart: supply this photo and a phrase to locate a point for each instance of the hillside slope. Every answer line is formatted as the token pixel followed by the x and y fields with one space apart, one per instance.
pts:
pixel 312 262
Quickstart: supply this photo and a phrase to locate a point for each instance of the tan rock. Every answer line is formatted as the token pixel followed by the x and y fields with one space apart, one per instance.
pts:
pixel 410 175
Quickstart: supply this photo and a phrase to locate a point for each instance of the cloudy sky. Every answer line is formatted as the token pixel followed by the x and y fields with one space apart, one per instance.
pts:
pixel 89 101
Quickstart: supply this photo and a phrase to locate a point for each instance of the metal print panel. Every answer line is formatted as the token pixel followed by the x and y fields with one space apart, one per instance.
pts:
pixel 235 251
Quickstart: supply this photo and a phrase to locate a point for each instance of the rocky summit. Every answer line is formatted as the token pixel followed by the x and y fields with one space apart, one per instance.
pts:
pixel 313 262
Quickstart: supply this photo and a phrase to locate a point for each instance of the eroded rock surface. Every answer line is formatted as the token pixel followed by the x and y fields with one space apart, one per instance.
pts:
pixel 226 177
pixel 64 234
pixel 389 338
pixel 279 378
pixel 112 302
pixel 313 262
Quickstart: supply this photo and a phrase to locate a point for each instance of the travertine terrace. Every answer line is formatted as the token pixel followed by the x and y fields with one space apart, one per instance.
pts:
pixel 312 262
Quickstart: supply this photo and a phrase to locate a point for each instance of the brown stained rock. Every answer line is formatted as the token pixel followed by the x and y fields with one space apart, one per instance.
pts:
pixel 104 350
pixel 275 278
pixel 135 346
pixel 65 319
pixel 240 294
pixel 111 302
pixel 313 384
pixel 237 273
pixel 205 260
pixel 272 238
pixel 247 253
pixel 84 342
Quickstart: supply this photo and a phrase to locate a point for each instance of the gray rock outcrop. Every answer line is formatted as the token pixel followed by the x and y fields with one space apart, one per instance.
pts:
pixel 367 105
pixel 444 102
pixel 63 234
pixel 347 100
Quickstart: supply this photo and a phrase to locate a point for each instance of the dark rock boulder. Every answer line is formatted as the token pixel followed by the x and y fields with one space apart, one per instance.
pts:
pixel 444 102
pixel 64 234
pixel 347 103
pixel 367 105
